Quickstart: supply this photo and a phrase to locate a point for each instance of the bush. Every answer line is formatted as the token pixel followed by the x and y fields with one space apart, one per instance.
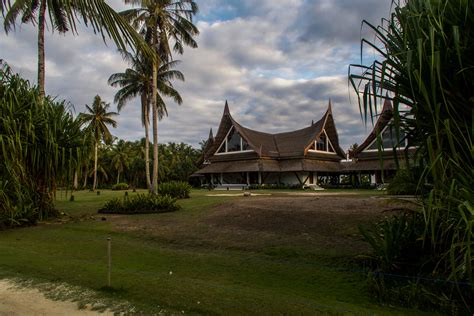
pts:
pixel 403 183
pixel 41 146
pixel 175 189
pixel 140 204
pixel 422 293
pixel 402 265
pixel 120 186
pixel 394 243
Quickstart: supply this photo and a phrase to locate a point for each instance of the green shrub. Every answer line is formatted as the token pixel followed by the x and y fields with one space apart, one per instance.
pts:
pixel 422 293
pixel 140 204
pixel 120 186
pixel 403 183
pixel 175 189
pixel 394 243
pixel 41 146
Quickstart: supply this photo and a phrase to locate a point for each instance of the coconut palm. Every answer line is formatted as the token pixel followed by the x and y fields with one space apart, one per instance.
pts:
pixel 120 157
pixel 63 16
pixel 136 81
pixel 97 120
pixel 162 21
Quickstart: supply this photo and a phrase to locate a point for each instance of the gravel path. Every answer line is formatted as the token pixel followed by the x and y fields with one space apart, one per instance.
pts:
pixel 16 301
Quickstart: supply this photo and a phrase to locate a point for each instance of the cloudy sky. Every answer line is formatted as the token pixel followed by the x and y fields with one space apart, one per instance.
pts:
pixel 277 62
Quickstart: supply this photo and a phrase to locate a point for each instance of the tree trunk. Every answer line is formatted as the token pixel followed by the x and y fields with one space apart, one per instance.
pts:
pixel 155 121
pixel 85 178
pixel 118 177
pixel 75 183
pixel 146 122
pixel 95 166
pixel 41 24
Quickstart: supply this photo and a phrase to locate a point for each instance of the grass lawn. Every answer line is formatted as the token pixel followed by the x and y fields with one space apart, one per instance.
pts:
pixel 218 255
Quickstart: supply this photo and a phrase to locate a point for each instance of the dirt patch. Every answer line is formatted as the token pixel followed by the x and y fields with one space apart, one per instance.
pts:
pixel 326 225
pixel 16 300
pixel 294 215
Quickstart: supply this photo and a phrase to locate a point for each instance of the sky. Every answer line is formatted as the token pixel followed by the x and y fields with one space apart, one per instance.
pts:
pixel 276 62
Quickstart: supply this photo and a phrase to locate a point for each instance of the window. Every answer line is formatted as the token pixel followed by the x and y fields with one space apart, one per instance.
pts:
pixel 233 143
pixel 322 144
pixel 389 139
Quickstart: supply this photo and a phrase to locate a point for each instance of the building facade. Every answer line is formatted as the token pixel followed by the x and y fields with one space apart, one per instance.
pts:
pixel 308 156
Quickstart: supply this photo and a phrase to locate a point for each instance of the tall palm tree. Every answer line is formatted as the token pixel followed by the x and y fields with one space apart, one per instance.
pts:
pixel 162 21
pixel 97 120
pixel 63 16
pixel 136 81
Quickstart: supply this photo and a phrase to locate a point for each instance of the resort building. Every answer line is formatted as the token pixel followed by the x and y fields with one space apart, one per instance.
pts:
pixel 382 150
pixel 237 155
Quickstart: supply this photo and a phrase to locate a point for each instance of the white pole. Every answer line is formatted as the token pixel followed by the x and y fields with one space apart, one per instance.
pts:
pixel 109 259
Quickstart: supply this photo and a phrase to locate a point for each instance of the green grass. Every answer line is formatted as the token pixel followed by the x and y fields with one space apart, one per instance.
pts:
pixel 176 273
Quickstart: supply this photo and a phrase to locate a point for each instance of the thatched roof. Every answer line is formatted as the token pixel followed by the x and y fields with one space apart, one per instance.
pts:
pixel 293 144
pixel 385 116
pixel 271 165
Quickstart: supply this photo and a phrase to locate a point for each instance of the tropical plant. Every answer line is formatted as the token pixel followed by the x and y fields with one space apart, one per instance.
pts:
pixel 41 145
pixel 403 183
pixel 63 16
pixel 175 189
pixel 120 157
pixel 178 161
pixel 140 204
pixel 426 67
pixel 97 120
pixel 162 21
pixel 120 186
pixel 137 81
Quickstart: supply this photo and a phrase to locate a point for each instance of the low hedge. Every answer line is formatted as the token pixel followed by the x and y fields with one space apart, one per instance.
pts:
pixel 120 186
pixel 175 189
pixel 140 204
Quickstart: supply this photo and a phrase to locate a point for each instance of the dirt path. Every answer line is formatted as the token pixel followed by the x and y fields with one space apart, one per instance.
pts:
pixel 27 301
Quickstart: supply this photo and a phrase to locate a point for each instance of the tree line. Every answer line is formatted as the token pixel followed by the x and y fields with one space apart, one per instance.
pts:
pixel 122 161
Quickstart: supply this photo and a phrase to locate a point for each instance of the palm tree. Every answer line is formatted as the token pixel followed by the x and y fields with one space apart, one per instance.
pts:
pixel 63 16
pixel 97 120
pixel 161 21
pixel 120 157
pixel 136 81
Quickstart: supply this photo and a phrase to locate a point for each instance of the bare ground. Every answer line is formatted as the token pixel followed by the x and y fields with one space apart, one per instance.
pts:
pixel 16 300
pixel 326 225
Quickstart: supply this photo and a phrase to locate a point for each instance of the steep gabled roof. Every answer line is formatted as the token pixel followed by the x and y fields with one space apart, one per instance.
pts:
pixel 384 118
pixel 280 145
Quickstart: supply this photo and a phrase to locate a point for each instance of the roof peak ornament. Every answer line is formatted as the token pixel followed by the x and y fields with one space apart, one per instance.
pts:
pixel 226 108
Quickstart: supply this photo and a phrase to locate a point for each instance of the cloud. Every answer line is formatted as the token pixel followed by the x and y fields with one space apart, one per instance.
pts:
pixel 277 62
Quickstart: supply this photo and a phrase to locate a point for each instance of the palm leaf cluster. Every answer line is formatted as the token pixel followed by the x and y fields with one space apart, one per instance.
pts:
pixel 64 16
pixel 427 69
pixel 96 122
pixel 41 144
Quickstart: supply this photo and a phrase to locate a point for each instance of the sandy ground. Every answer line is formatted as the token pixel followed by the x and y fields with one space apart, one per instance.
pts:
pixel 28 301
